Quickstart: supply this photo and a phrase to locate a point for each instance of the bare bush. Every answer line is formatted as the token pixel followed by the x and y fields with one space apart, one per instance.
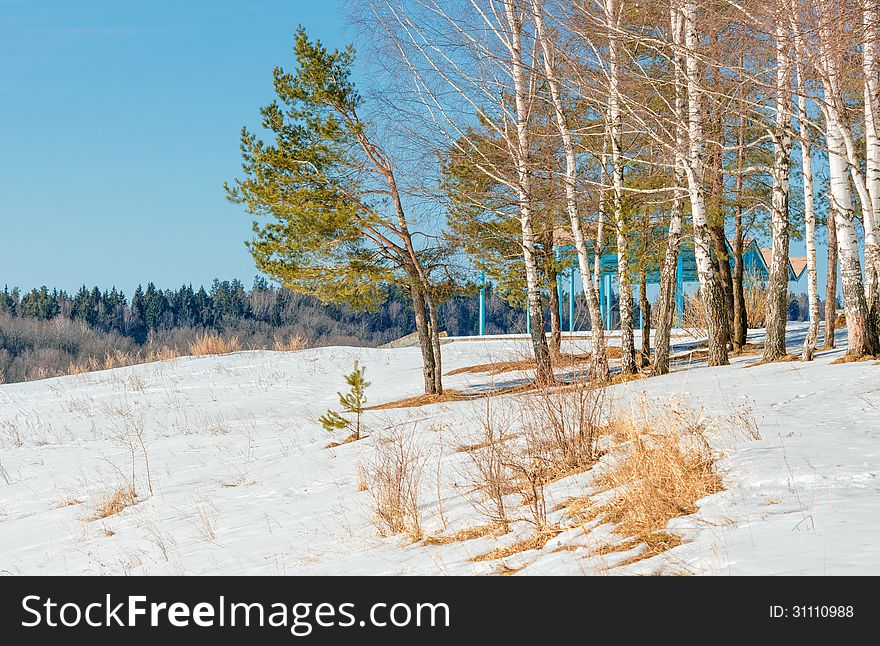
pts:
pixel 488 470
pixel 394 476
pixel 562 426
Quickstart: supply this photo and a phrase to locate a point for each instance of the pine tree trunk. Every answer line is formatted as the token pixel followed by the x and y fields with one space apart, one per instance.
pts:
pixel 725 278
pixel 435 342
pixel 831 278
pixel 429 371
pixel 555 319
pixel 713 299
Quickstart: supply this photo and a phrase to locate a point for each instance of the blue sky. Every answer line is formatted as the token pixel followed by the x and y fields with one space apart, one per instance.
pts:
pixel 119 123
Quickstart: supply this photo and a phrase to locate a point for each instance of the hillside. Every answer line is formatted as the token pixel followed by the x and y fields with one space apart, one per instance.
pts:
pixel 242 481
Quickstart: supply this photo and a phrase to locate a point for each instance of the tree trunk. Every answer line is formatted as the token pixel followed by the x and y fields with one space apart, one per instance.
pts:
pixel 831 278
pixel 645 309
pixel 555 320
pixel 861 336
pixel 725 277
pixel 739 318
pixel 673 241
pixel 870 54
pixel 777 288
pixel 809 221
pixel 599 367
pixel 544 370
pixel 429 370
pixel 713 299
pixel 627 341
pixel 434 328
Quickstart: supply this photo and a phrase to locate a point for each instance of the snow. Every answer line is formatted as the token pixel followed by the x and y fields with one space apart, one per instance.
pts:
pixel 243 483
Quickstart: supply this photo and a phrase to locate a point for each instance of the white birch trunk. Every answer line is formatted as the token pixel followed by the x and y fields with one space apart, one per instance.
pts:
pixel 812 338
pixel 668 274
pixel 862 338
pixel 709 288
pixel 544 372
pixel 777 297
pixel 627 341
pixel 599 365
pixel 871 17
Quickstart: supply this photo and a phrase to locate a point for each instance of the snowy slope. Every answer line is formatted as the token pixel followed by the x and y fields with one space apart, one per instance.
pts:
pixel 243 482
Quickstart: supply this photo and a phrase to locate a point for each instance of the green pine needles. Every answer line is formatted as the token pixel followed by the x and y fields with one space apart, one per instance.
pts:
pixel 352 402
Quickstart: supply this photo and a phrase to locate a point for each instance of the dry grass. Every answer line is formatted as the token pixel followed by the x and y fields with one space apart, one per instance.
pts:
pixel 467 534
pixel 423 400
pixel 848 358
pixel 354 437
pixel 293 343
pixel 668 466
pixel 119 359
pixel 393 477
pixel 210 343
pixel 68 503
pixel 784 359
pixel 532 543
pixel 756 302
pixel 563 360
pixel 115 503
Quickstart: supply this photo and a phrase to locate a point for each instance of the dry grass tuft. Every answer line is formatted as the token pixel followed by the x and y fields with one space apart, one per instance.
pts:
pixel 786 359
pixel 467 534
pixel 848 358
pixel 354 437
pixel 393 478
pixel 210 343
pixel 667 468
pixel 756 302
pixel 115 503
pixel 293 343
pixel 535 542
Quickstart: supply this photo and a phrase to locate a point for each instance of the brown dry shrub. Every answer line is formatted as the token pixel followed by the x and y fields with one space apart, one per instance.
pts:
pixel 115 503
pixel 210 343
pixel 293 343
pixel 393 476
pixel 667 467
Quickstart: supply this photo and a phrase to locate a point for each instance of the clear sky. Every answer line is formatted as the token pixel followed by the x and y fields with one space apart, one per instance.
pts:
pixel 119 123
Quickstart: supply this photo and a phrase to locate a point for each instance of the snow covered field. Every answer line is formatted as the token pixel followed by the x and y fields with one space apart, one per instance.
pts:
pixel 243 482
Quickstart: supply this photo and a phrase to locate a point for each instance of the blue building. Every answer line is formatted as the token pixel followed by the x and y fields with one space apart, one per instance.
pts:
pixel 756 268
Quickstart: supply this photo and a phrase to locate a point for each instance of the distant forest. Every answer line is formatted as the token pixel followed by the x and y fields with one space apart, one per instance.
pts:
pixel 44 332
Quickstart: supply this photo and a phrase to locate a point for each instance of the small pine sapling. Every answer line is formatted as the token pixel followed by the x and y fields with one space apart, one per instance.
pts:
pixel 352 402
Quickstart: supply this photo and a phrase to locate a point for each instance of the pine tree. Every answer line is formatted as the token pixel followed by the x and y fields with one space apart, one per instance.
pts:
pixel 333 218
pixel 352 402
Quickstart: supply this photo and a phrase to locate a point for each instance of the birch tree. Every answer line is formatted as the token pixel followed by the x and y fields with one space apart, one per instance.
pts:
pixel 713 299
pixel 777 291
pixel 599 367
